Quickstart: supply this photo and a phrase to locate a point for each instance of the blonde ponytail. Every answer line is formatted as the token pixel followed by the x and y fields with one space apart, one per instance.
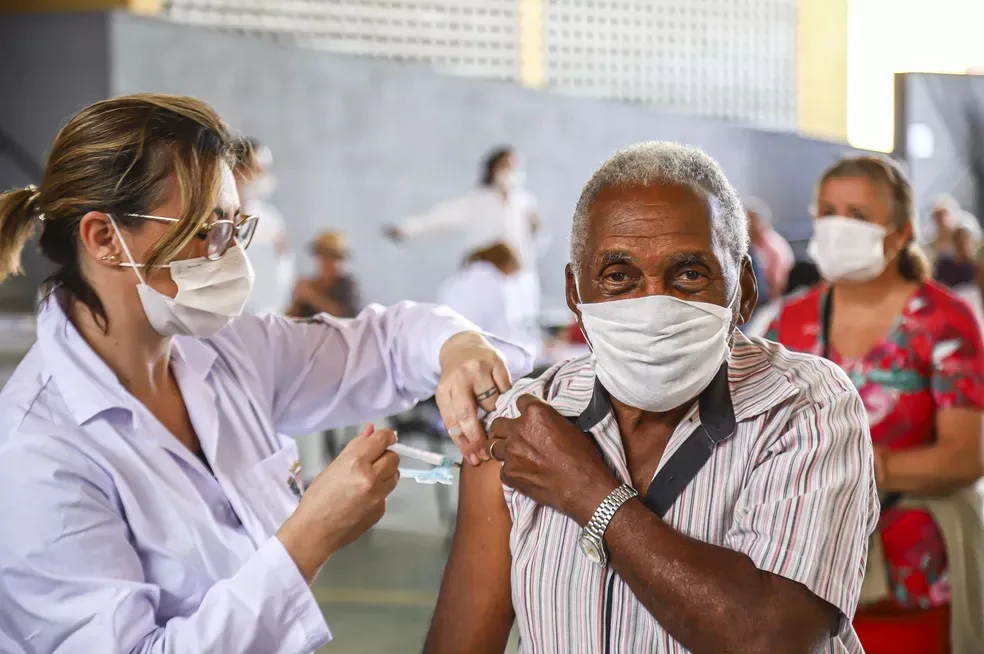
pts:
pixel 18 209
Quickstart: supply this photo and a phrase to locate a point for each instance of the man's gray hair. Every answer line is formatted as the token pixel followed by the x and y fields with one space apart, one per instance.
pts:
pixel 665 162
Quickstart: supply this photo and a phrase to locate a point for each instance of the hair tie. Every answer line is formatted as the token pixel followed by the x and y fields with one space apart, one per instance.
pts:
pixel 33 199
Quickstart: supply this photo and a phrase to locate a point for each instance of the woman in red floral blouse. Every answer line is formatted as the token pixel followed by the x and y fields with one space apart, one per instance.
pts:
pixel 913 351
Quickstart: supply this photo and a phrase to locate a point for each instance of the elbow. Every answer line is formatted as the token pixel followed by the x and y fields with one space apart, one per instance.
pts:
pixel 973 474
pixel 965 469
pixel 791 625
pixel 781 641
pixel 975 468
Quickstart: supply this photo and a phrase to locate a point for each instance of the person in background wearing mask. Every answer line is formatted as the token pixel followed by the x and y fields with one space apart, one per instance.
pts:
pixel 270 254
pixel 483 290
pixel 499 210
pixel 958 267
pixel 769 248
pixel 332 291
pixel 684 490
pixel 147 500
pixel 913 350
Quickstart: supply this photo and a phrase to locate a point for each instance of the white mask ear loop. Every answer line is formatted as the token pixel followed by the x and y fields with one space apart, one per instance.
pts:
pixel 133 265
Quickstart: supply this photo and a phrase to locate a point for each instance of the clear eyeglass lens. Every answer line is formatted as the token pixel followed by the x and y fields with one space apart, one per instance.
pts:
pixel 219 237
pixel 244 233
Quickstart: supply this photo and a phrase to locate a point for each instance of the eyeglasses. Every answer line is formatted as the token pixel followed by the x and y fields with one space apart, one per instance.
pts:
pixel 219 233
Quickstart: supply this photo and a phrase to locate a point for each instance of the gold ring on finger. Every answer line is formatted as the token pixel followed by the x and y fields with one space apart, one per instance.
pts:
pixel 492 442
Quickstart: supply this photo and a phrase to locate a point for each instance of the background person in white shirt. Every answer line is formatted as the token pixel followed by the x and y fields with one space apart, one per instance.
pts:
pixel 499 210
pixel 148 502
pixel 270 252
pixel 483 290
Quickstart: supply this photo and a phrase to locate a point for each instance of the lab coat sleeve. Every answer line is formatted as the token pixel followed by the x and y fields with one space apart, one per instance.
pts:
pixel 71 581
pixel 329 372
pixel 444 217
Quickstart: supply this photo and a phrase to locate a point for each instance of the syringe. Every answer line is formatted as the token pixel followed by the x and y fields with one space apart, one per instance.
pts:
pixel 433 458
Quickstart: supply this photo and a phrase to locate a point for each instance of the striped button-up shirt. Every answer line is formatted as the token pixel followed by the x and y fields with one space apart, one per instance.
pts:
pixel 790 484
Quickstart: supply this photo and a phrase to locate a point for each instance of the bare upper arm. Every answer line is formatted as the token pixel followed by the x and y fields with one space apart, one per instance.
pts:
pixel 474 610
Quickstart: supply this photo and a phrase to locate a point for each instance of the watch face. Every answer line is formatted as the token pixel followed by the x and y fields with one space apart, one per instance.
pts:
pixel 591 550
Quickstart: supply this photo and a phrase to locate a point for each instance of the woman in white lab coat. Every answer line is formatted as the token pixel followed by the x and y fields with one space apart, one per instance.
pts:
pixel 147 500
pixel 501 209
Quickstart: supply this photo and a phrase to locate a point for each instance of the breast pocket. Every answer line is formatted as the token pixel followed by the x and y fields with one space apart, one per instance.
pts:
pixel 274 484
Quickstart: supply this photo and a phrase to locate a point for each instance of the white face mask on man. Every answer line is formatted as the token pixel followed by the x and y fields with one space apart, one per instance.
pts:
pixel 210 293
pixel 847 249
pixel 657 352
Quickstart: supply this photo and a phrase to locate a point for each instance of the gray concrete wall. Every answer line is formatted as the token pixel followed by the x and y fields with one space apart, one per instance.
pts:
pixel 949 109
pixel 52 65
pixel 360 143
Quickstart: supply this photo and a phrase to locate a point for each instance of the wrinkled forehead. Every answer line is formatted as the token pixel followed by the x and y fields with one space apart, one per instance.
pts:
pixel 653 222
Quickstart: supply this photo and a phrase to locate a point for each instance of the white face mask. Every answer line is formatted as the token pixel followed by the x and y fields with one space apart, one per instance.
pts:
pixel 512 180
pixel 657 352
pixel 848 250
pixel 210 293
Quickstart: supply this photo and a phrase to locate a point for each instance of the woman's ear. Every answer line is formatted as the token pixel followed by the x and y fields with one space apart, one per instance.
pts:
pixel 99 238
pixel 902 236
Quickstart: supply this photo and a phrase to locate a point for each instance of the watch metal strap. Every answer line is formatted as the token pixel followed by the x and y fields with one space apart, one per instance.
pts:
pixel 606 511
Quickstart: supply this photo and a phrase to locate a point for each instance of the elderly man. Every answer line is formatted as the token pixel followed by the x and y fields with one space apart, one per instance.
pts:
pixel 683 489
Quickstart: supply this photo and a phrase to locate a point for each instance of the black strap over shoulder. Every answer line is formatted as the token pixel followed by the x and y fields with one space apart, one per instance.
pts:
pixel 678 472
pixel 827 308
pixel 718 423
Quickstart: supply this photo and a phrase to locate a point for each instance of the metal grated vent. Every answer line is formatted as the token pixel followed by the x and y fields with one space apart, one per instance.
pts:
pixel 720 58
pixel 467 37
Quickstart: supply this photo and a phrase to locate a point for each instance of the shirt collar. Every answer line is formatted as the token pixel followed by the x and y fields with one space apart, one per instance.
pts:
pixel 196 356
pixel 747 385
pixel 87 384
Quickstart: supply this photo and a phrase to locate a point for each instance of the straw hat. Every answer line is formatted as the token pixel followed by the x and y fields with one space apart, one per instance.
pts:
pixel 330 243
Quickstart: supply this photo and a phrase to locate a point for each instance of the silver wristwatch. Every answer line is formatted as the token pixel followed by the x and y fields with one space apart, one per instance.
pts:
pixel 592 540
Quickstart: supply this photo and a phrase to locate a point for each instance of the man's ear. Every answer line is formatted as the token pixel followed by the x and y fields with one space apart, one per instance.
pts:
pixel 570 290
pixel 749 291
pixel 573 299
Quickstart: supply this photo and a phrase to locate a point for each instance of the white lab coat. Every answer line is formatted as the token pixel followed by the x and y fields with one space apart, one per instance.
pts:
pixel 116 538
pixel 484 217
pixel 482 293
